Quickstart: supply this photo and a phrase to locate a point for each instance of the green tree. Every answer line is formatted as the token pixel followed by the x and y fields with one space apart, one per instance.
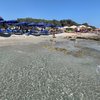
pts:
pixel 68 22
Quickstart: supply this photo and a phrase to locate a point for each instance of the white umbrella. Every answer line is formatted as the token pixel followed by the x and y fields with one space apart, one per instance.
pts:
pixel 82 26
pixel 66 27
pixel 73 27
pixel 89 27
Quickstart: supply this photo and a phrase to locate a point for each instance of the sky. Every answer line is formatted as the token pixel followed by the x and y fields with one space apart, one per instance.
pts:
pixel 81 11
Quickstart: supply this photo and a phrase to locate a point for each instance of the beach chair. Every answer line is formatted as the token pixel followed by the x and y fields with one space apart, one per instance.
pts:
pixel 3 33
pixel 44 32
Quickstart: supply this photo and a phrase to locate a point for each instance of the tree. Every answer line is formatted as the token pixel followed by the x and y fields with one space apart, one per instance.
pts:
pixel 56 22
pixel 68 22
pixel 86 24
pixel 64 22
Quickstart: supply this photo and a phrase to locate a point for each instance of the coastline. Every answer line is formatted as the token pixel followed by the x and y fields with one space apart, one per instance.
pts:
pixel 16 39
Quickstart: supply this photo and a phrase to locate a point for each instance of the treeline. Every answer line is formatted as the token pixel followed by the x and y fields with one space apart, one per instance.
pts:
pixel 67 22
pixel 64 22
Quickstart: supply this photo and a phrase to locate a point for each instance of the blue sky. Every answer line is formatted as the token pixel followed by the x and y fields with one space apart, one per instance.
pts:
pixel 80 11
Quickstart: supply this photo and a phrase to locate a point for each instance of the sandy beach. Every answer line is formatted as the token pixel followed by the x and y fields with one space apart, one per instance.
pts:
pixel 15 39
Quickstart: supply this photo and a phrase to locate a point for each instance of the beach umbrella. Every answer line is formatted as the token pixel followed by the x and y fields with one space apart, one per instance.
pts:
pixel 49 25
pixel 66 27
pixel 32 24
pixel 41 24
pixel 58 26
pixel 22 24
pixel 11 21
pixel 89 27
pixel 82 26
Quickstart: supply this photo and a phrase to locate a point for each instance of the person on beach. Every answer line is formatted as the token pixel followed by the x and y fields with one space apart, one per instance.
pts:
pixel 53 32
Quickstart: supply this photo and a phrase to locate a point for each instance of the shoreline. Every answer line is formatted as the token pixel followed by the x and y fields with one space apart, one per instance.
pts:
pixel 17 39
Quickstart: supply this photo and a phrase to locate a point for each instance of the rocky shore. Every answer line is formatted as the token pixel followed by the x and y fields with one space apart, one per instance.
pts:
pixel 87 36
